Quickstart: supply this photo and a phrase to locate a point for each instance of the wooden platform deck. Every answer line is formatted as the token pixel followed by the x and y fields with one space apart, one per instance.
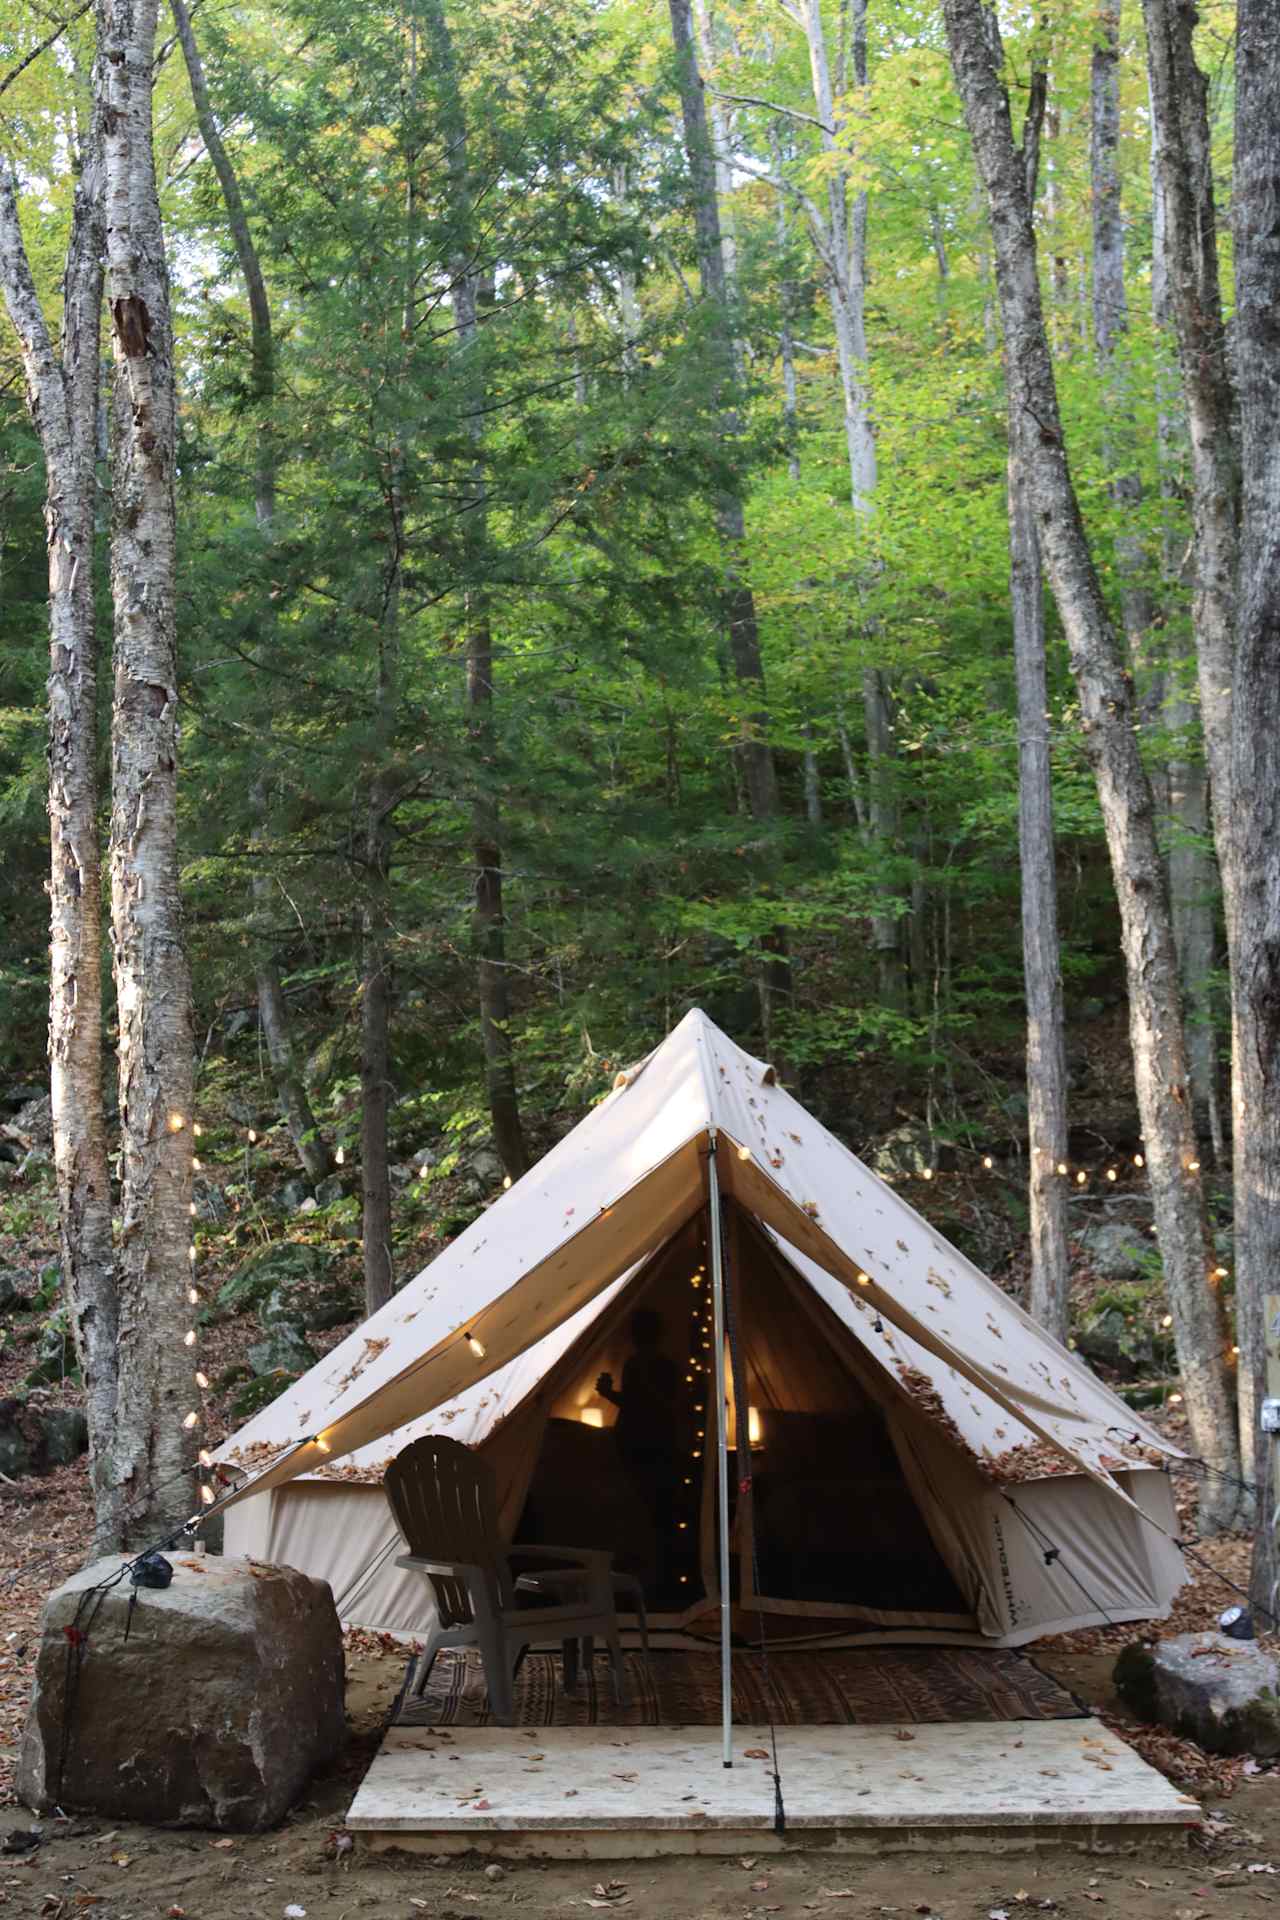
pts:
pixel 622 1793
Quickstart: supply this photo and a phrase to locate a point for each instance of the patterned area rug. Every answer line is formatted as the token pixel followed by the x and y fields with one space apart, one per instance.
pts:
pixel 875 1687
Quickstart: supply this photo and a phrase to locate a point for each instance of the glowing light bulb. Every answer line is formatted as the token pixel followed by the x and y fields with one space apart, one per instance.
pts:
pixel 189 1337
pixel 506 1181
pixel 340 1157
pixel 1062 1166
pixel 193 1296
pixel 1235 1349
pixel 1138 1160
pixel 696 1454
pixel 476 1346
pixel 1193 1166
pixel 253 1138
pixel 202 1381
pixel 684 1579
pixel 195 1165
pixel 744 1153
pixel 322 1445
pixel 987 1162
pixel 205 1457
pixel 928 1173
pixel 1167 1321
pixel 192 1209
pixel 206 1494
pixel 192 1420
pixel 1111 1173
pixel 191 1251
pixel 176 1123
pixel 197 1130
pixel 1220 1273
pixel 683 1526
pixel 1082 1179
pixel 1175 1399
pixel 864 1279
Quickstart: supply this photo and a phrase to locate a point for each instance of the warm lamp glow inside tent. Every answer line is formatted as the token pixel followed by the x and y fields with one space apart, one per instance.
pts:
pixel 915 1440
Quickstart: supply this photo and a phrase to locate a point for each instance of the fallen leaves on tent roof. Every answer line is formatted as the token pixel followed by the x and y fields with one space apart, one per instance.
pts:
pixel 372 1348
pixel 1029 1460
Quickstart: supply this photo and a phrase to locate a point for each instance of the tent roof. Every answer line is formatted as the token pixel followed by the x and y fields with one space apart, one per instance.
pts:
pixel 615 1189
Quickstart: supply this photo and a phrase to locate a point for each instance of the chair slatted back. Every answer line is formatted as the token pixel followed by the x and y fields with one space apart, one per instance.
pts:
pixel 445 1504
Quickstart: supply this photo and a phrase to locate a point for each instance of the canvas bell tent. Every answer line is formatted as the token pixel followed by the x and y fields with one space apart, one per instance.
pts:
pixel 924 1461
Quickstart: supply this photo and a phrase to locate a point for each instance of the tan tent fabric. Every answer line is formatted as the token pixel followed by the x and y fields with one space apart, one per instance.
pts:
pixel 974 1403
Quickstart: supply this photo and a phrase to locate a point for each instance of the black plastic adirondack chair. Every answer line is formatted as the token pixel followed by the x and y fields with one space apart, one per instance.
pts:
pixel 445 1505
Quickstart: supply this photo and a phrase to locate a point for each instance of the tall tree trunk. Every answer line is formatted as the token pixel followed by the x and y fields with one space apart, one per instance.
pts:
pixel 1124 791
pixel 62 392
pixel 1193 879
pixel 754 753
pixel 291 1091
pixel 1256 726
pixel 1182 145
pixel 489 922
pixel 1046 1053
pixel 842 246
pixel 1184 175
pixel 1041 947
pixel 151 1447
pixel 1110 324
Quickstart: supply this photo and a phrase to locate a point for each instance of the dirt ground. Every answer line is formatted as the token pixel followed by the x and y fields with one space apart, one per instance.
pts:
pixel 138 1873
pixel 89 1867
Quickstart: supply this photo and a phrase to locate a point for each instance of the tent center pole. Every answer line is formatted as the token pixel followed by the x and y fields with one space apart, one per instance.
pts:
pixel 722 1453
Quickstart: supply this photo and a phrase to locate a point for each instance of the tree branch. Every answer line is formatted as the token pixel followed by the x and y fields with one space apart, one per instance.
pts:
pixel 15 72
pixel 770 106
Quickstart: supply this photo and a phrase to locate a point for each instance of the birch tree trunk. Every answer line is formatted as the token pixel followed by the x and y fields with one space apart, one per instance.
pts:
pixel 1046 1053
pixel 151 1449
pixel 62 393
pixel 1124 792
pixel 842 246
pixel 1041 949
pixel 291 1091
pixel 1184 175
pixel 754 754
pixel 1256 725
pixel 1193 879
pixel 1110 324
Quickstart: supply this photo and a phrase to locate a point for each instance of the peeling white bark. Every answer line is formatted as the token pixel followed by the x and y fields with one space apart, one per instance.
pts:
pixel 151 1449
pixel 62 393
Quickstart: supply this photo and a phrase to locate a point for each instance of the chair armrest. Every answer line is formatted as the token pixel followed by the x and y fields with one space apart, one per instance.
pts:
pixel 586 1557
pixel 449 1569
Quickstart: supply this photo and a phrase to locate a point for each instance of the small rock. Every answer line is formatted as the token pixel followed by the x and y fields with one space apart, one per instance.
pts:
pixel 908 1149
pixel 495 1872
pixel 292 1195
pixel 309 1205
pixel 329 1192
pixel 1223 1694
pixel 14 1288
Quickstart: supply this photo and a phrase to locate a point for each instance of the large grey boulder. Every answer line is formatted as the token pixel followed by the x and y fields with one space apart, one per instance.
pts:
pixel 214 1712
pixel 908 1149
pixel 34 1438
pixel 1223 1694
pixel 1116 1249
pixel 284 1350
pixel 289 1263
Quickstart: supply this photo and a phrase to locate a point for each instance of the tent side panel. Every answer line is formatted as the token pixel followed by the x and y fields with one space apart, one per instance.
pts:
pixel 342 1532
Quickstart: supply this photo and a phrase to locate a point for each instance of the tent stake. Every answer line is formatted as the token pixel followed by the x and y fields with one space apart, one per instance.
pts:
pixel 722 1454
